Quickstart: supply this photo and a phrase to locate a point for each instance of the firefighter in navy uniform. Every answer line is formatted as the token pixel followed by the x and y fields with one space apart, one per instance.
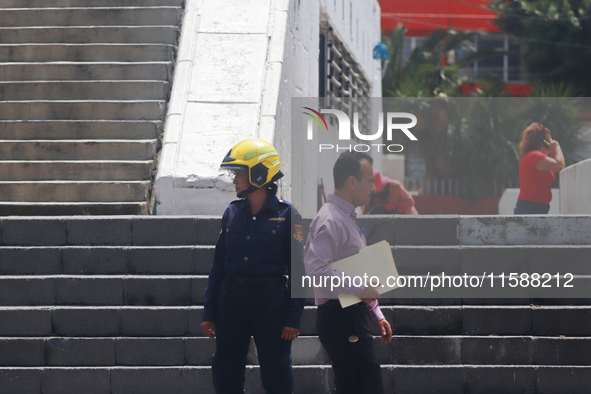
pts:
pixel 247 292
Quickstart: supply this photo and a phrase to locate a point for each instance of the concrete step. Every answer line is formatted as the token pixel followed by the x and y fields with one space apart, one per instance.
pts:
pixel 479 320
pixel 79 129
pixel 165 321
pixel 180 290
pixel 86 3
pixel 83 110
pixel 72 208
pixel 84 71
pixel 440 230
pixel 204 254
pixel 85 90
pixel 98 34
pixel 78 150
pixel 90 16
pixel 191 351
pixel 81 191
pixel 307 379
pixel 55 52
pixel 103 260
pixel 168 290
pixel 75 170
pixel 92 231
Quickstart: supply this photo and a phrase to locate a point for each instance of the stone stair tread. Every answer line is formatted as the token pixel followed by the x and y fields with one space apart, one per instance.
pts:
pixel 84 109
pixel 80 3
pixel 98 34
pixel 84 90
pixel 75 169
pixel 46 73
pixel 90 16
pixel 306 351
pixel 25 52
pixel 73 208
pixel 85 71
pixel 75 161
pixel 64 129
pixel 78 149
pixel 87 191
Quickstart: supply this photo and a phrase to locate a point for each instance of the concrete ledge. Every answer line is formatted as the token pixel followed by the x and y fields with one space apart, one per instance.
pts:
pixel 575 188
pixel 525 230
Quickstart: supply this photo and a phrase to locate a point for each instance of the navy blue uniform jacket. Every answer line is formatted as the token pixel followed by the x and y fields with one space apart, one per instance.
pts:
pixel 254 246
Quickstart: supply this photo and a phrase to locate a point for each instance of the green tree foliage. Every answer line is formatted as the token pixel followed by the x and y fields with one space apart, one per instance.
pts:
pixel 476 139
pixel 558 38
pixel 428 73
pixel 470 137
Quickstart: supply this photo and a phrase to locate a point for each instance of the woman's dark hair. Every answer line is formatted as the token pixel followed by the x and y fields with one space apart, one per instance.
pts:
pixel 531 138
pixel 348 164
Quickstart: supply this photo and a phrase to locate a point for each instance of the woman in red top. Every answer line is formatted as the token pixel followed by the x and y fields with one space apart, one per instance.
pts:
pixel 536 170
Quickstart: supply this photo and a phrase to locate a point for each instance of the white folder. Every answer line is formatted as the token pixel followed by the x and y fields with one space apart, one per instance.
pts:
pixel 375 260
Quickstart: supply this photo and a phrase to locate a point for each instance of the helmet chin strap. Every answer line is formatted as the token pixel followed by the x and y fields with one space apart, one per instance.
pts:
pixel 246 192
pixel 252 188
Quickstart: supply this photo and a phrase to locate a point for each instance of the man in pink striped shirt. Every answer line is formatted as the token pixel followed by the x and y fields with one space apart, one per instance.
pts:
pixel 334 235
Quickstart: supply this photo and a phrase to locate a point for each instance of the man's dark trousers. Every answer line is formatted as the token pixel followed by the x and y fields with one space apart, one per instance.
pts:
pixel 354 364
pixel 257 311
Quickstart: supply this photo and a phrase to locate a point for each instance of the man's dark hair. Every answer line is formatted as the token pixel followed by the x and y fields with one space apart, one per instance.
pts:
pixel 348 164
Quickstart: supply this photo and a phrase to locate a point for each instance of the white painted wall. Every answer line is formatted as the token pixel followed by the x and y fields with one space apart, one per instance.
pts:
pixel 575 188
pixel 299 78
pixel 312 168
pixel 239 65
pixel 509 199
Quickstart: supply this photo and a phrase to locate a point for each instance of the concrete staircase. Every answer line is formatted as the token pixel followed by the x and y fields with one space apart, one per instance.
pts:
pixel 113 304
pixel 83 89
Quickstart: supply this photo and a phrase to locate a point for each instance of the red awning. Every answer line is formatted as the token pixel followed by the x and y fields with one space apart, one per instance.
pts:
pixel 421 17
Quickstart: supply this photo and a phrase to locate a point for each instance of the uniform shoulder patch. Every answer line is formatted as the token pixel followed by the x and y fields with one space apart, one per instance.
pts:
pixel 297 233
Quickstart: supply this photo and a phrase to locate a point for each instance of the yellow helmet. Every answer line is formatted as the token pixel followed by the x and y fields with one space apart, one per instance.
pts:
pixel 258 157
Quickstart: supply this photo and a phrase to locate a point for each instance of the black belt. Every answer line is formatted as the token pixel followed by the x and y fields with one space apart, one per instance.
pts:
pixel 257 281
pixel 330 304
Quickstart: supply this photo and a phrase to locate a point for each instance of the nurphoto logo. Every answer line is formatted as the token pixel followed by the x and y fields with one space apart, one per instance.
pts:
pixel 344 132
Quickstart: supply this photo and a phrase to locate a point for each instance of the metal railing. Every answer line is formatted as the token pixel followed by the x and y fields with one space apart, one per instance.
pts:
pixel 452 187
